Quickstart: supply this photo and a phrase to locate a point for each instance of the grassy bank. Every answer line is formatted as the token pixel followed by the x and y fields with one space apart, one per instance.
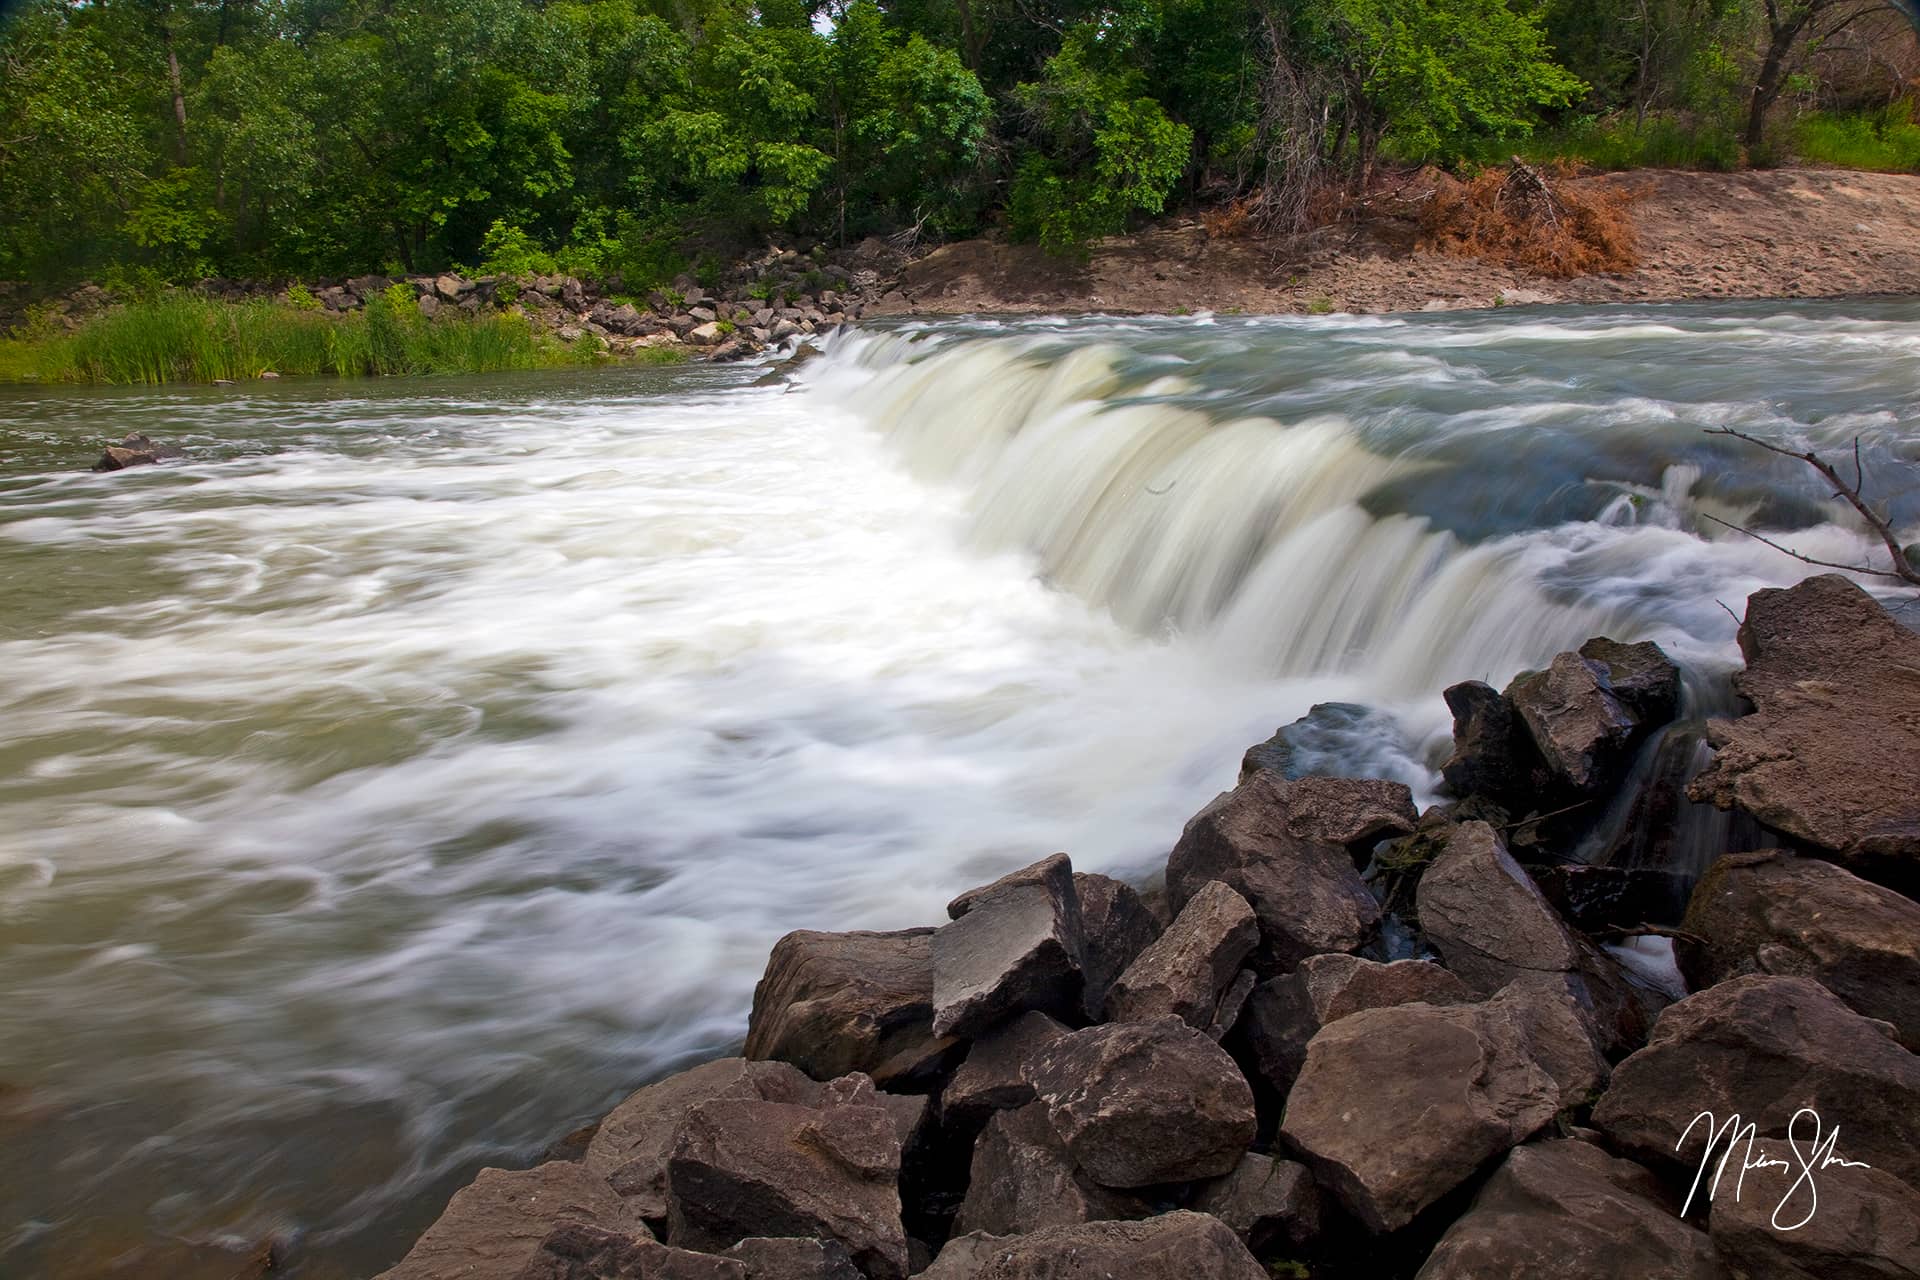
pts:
pixel 185 338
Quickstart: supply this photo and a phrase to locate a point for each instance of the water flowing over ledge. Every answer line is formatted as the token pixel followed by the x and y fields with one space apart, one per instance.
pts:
pixel 415 768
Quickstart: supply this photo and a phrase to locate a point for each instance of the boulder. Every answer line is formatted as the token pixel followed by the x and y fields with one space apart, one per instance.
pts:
pixel 134 450
pixel 575 1251
pixel 1396 1107
pixel 493 1227
pixel 1491 924
pixel 1641 676
pixel 1567 1209
pixel 1022 1179
pixel 1492 754
pixel 1189 968
pixel 793 1258
pixel 1770 912
pixel 1172 1246
pixel 1835 685
pixel 1012 945
pixel 450 288
pixel 831 1003
pixel 632 1144
pixel 1285 1013
pixel 994 1075
pixel 1866 1226
pixel 1582 730
pixel 1140 1103
pixel 707 334
pixel 1325 741
pixel 1763 1048
pixel 741 1169
pixel 1272 1205
pixel 1282 844
pixel 1115 924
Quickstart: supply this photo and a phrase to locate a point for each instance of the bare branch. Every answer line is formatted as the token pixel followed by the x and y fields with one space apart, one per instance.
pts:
pixel 1902 570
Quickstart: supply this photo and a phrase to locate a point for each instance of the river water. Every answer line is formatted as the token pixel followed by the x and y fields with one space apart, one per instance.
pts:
pixel 417 766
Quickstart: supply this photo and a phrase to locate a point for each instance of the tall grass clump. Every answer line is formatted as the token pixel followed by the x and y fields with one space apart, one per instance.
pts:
pixel 1887 140
pixel 1661 142
pixel 181 337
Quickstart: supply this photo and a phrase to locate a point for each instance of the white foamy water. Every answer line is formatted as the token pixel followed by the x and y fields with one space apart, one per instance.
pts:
pixel 415 767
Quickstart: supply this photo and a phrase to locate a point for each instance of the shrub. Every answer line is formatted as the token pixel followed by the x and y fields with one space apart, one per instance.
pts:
pixel 1525 218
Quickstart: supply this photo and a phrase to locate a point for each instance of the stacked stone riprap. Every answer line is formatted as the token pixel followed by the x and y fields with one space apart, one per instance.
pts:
pixel 1062 1082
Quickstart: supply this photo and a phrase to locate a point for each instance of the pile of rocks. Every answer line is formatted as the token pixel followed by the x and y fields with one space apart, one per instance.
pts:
pixel 1239 1077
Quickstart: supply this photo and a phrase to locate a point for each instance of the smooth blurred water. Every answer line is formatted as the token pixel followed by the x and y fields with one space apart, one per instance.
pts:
pixel 417 766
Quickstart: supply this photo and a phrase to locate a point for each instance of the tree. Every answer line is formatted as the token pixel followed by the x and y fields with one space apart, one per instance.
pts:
pixel 1792 27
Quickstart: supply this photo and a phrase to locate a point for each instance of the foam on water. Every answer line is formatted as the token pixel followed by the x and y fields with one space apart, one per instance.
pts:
pixel 408 772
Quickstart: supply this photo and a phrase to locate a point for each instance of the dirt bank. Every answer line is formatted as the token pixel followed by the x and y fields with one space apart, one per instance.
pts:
pixel 1796 233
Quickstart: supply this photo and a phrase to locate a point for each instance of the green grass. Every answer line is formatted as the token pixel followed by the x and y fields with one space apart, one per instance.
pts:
pixel 1659 143
pixel 183 338
pixel 1888 141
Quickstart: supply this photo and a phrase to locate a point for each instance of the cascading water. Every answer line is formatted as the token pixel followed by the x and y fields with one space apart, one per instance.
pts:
pixel 416 766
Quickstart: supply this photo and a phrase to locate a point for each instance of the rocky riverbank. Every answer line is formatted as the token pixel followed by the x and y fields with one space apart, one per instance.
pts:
pixel 1343 1038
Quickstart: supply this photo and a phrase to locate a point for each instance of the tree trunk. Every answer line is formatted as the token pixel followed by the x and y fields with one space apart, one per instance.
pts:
pixel 969 43
pixel 1773 70
pixel 179 95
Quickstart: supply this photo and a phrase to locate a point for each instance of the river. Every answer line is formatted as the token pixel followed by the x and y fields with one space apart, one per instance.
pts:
pixel 417 766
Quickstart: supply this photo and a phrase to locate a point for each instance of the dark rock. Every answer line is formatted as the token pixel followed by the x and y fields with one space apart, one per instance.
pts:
pixel 1568 1209
pixel 1285 1013
pixel 1773 913
pixel 1396 1107
pixel 1022 1179
pixel 1865 1226
pixel 631 1146
pixel 1013 945
pixel 993 1077
pixel 831 1003
pixel 1116 926
pixel 134 450
pixel 793 1258
pixel 1492 754
pixel 1233 1001
pixel 1763 1048
pixel 1490 923
pixel 1173 1246
pixel 741 1169
pixel 1272 1205
pixel 1327 741
pixel 1186 971
pixel 1597 898
pixel 1641 676
pixel 1140 1103
pixel 1584 733
pixel 493 1227
pixel 365 287
pixel 1282 845
pixel 1835 732
pixel 575 1251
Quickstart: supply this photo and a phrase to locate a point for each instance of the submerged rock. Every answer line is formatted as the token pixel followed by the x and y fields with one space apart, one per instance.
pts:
pixel 134 450
pixel 1568 1209
pixel 1829 752
pixel 1773 913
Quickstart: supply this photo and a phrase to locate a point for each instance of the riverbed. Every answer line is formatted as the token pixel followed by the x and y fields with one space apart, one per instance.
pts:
pixel 416 766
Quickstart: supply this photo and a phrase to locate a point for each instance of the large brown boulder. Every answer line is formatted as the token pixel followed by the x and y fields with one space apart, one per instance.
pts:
pixel 1834 737
pixel 1173 1246
pixel 1285 1013
pixel 1491 924
pixel 493 1227
pixel 1763 1048
pixel 1022 1179
pixel 994 1075
pixel 1865 1225
pixel 574 1251
pixel 1396 1107
pixel 1284 845
pixel 1116 925
pixel 832 1003
pixel 1569 1210
pixel 1013 945
pixel 1140 1103
pixel 1585 728
pixel 1186 971
pixel 1493 756
pixel 1770 912
pixel 631 1145
pixel 1273 1205
pixel 134 450
pixel 742 1169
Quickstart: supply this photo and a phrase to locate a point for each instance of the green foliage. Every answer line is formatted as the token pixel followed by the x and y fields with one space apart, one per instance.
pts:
pixel 507 250
pixel 1886 140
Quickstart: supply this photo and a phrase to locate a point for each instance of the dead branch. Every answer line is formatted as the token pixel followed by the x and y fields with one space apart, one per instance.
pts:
pixel 1882 525
pixel 1650 931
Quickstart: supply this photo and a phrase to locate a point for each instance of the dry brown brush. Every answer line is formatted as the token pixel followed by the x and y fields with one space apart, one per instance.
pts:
pixel 1538 221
